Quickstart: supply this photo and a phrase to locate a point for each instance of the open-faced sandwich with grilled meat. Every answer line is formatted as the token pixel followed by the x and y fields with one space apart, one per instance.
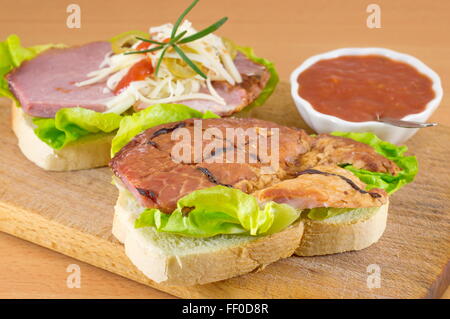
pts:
pixel 69 101
pixel 191 217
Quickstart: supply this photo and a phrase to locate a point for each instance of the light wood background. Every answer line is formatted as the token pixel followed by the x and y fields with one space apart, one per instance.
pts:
pixel 287 32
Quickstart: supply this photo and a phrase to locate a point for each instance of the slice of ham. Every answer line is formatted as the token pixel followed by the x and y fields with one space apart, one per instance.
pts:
pixel 247 67
pixel 46 83
pixel 235 98
pixel 254 78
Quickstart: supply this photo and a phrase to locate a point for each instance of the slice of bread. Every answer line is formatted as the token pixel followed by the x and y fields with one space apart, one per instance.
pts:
pixel 345 232
pixel 88 152
pixel 180 260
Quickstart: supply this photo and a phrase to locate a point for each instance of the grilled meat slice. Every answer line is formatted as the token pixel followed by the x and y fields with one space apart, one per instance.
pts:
pixel 323 186
pixel 157 177
pixel 307 174
pixel 335 150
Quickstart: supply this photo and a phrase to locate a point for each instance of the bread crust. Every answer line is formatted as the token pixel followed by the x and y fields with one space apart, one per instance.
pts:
pixel 325 237
pixel 88 152
pixel 201 268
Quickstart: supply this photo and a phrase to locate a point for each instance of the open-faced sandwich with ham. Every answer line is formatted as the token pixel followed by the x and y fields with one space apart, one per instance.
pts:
pixel 202 200
pixel 69 101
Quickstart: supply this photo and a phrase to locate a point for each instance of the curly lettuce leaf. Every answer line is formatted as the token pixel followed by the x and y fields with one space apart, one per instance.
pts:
pixel 157 114
pixel 322 213
pixel 273 80
pixel 12 54
pixel 220 210
pixel 71 124
pixel 386 181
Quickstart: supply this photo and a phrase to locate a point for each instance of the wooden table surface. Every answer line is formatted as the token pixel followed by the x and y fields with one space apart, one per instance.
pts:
pixel 286 32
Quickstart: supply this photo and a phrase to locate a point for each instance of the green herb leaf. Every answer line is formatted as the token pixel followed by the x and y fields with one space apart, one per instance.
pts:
pixel 204 32
pixel 178 37
pixel 180 19
pixel 145 51
pixel 188 61
pixel 151 41
pixel 160 60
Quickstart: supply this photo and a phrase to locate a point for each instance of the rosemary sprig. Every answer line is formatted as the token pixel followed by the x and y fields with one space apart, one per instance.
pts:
pixel 188 61
pixel 147 50
pixel 149 40
pixel 177 39
pixel 158 64
pixel 204 32
pixel 181 17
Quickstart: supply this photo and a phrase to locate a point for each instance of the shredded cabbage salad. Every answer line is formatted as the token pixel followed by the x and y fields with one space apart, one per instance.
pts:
pixel 175 80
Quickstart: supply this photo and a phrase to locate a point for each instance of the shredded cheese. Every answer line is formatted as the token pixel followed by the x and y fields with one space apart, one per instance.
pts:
pixel 209 52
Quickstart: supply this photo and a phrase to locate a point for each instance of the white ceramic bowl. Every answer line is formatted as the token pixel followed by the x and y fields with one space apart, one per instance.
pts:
pixel 323 123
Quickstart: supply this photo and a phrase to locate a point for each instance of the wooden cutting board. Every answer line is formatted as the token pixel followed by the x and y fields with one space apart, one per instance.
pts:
pixel 72 213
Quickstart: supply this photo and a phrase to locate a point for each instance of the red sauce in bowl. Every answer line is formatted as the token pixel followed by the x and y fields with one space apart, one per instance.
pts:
pixel 358 88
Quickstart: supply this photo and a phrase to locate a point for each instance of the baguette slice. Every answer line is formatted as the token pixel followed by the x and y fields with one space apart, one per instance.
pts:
pixel 341 233
pixel 88 152
pixel 183 261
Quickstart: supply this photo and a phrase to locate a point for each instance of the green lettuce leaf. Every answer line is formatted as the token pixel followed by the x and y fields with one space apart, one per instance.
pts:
pixel 12 54
pixel 388 182
pixel 273 80
pixel 71 124
pixel 322 213
pixel 157 114
pixel 220 210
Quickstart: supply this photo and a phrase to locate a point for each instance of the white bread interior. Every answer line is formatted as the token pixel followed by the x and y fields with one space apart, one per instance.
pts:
pixel 183 261
pixel 88 152
pixel 345 232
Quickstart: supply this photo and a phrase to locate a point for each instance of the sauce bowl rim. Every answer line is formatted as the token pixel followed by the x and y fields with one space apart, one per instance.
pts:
pixel 394 55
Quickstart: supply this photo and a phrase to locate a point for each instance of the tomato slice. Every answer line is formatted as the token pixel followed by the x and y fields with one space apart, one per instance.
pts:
pixel 138 72
pixel 143 46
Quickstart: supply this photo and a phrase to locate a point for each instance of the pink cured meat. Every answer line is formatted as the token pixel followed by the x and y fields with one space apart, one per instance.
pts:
pixel 46 83
pixel 254 78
